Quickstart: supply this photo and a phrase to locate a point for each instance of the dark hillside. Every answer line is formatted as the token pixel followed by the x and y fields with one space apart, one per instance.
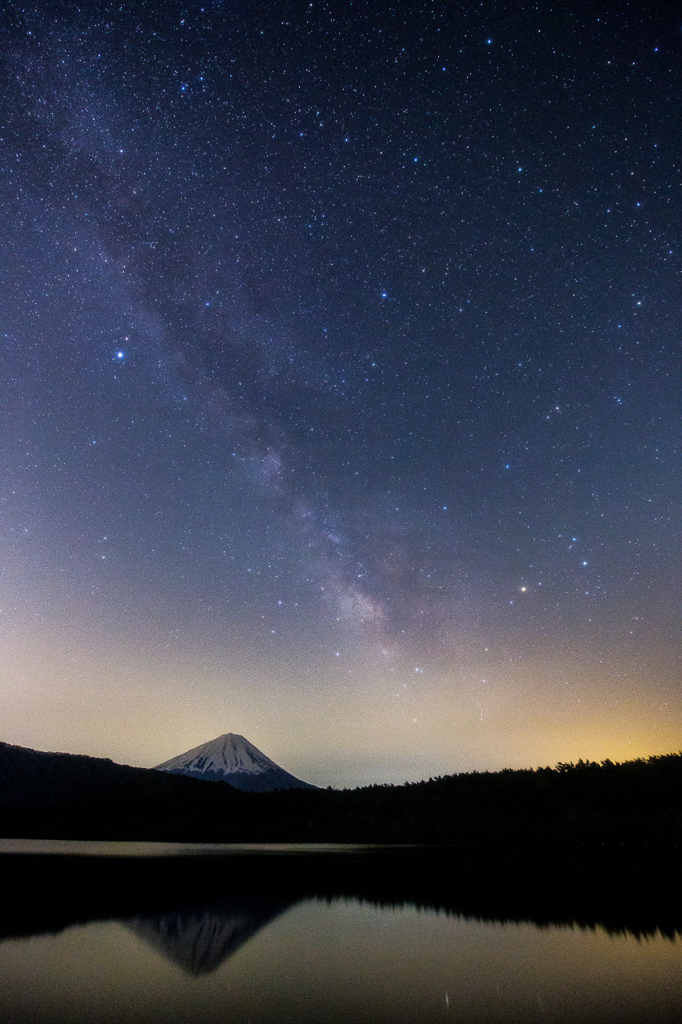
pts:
pixel 63 796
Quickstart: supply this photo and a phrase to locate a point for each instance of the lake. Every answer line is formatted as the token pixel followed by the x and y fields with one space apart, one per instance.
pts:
pixel 149 933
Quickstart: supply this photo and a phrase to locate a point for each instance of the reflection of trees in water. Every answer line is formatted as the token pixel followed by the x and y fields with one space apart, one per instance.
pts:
pixel 198 910
pixel 199 939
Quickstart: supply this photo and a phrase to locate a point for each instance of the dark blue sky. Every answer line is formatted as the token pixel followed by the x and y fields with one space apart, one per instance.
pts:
pixel 341 382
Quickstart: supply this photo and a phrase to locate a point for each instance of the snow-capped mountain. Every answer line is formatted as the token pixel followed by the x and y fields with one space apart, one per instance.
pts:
pixel 231 758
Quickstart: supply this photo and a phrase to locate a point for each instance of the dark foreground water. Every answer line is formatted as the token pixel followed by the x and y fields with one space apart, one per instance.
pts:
pixel 112 934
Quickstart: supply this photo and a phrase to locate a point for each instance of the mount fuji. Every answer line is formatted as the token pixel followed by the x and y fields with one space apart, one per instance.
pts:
pixel 231 758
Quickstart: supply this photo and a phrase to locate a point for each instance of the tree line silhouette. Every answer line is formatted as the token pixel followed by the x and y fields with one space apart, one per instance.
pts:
pixel 632 803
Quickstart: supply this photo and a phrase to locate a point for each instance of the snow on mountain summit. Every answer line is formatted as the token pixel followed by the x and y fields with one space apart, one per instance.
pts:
pixel 232 758
pixel 224 754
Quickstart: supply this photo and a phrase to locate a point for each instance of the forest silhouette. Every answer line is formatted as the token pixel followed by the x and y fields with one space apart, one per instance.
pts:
pixel 588 804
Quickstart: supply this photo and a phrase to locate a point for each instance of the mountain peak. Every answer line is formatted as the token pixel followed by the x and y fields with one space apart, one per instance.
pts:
pixel 232 758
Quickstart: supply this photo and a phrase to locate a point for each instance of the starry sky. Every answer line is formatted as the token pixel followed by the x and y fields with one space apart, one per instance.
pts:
pixel 340 380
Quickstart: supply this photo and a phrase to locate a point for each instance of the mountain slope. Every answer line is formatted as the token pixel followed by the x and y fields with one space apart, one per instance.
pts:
pixel 72 796
pixel 231 758
pixel 40 778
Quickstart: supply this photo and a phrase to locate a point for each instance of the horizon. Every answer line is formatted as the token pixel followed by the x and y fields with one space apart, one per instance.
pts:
pixel 341 381
pixel 532 768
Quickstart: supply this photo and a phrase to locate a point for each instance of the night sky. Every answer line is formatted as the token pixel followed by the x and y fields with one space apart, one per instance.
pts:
pixel 341 382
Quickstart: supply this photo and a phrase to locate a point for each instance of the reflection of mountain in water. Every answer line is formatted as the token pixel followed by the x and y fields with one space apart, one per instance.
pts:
pixel 200 939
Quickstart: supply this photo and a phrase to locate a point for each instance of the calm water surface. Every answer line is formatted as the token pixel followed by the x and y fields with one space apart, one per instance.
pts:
pixel 288 958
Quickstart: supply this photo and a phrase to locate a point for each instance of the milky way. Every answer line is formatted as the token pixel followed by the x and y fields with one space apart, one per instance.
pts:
pixel 341 382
